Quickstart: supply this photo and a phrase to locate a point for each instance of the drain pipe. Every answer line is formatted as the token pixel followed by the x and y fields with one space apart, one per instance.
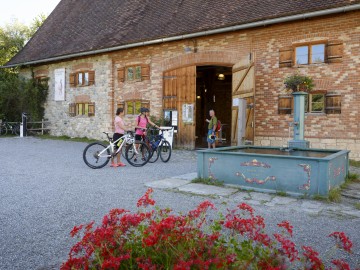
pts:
pixel 200 34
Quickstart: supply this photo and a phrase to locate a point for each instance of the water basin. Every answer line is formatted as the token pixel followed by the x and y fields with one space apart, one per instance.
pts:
pixel 273 169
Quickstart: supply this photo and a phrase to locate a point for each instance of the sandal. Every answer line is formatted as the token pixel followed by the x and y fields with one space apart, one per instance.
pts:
pixel 121 164
pixel 114 165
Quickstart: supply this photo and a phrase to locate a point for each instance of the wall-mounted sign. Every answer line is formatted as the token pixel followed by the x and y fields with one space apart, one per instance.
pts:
pixel 188 113
pixel 59 84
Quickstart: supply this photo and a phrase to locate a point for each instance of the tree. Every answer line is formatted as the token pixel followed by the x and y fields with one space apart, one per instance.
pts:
pixel 15 35
pixel 18 94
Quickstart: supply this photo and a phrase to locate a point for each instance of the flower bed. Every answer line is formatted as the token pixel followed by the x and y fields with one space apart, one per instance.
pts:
pixel 159 239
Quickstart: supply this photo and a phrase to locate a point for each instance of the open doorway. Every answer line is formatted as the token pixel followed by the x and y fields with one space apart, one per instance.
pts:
pixel 213 91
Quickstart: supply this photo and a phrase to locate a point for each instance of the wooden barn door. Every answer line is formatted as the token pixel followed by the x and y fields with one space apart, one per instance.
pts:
pixel 243 87
pixel 179 89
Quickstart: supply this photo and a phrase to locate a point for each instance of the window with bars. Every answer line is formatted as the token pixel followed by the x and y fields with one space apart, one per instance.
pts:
pixel 85 108
pixel 82 78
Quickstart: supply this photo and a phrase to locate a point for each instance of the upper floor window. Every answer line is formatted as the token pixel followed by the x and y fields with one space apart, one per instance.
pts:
pixel 310 54
pixel 82 78
pixel 42 80
pixel 134 73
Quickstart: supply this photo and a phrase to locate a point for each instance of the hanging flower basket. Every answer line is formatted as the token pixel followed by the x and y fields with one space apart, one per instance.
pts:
pixel 299 83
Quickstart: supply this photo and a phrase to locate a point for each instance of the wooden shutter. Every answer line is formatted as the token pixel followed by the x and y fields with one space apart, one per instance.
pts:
pixel 121 74
pixel 285 104
pixel 334 51
pixel 286 57
pixel 91 109
pixel 91 77
pixel 72 79
pixel 145 72
pixel 333 103
pixel 72 109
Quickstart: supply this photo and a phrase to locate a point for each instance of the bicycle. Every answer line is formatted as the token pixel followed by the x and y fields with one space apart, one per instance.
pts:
pixel 5 127
pixel 158 145
pixel 96 155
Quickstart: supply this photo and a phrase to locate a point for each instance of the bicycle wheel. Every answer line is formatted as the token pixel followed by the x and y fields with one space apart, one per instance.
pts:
pixel 139 159
pixel 3 130
pixel 165 151
pixel 154 155
pixel 96 155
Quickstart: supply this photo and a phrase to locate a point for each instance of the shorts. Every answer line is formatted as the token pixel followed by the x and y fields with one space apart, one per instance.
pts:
pixel 138 137
pixel 209 139
pixel 117 136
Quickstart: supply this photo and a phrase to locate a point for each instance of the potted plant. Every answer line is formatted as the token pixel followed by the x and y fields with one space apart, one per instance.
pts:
pixel 299 83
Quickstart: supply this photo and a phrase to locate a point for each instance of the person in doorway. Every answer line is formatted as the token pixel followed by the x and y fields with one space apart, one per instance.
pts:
pixel 142 121
pixel 211 129
pixel 120 129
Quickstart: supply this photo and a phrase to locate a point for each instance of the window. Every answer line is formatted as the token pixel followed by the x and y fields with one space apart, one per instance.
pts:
pixel 134 73
pixel 87 109
pixel 133 106
pixel 82 78
pixel 310 54
pixel 314 103
pixel 42 81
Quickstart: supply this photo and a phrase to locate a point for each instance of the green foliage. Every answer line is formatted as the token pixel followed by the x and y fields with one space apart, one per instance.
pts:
pixel 19 95
pixel 281 193
pixel 208 181
pixel 297 82
pixel 354 163
pixel 335 195
pixel 357 206
pixel 15 35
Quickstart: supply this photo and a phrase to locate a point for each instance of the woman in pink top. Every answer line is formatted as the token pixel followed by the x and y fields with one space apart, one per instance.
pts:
pixel 141 122
pixel 119 132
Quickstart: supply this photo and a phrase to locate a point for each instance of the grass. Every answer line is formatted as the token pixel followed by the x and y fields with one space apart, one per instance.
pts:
pixel 67 138
pixel 354 163
pixel 281 193
pixel 335 195
pixel 357 205
pixel 208 181
pixel 320 198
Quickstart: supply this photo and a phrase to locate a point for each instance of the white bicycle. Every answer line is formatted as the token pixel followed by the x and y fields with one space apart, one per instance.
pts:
pixel 96 155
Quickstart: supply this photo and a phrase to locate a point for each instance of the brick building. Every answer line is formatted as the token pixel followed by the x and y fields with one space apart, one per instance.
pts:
pixel 181 59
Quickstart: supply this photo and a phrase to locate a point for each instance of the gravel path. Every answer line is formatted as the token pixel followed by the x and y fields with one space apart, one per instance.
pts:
pixel 46 189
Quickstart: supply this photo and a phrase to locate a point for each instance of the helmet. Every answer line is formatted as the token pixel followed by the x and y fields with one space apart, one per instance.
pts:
pixel 143 110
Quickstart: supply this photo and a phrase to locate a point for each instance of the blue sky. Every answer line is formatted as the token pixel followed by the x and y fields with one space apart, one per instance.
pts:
pixel 24 10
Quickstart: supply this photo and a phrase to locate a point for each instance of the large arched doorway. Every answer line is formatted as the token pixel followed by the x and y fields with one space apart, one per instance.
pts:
pixel 190 91
pixel 213 91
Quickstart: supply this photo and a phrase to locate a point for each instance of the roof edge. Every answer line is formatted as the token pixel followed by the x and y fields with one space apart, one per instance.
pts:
pixel 197 34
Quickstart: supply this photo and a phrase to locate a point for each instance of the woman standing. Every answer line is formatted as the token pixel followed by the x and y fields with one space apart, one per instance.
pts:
pixel 141 122
pixel 211 129
pixel 119 132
